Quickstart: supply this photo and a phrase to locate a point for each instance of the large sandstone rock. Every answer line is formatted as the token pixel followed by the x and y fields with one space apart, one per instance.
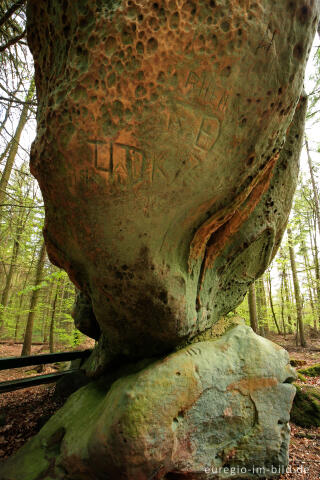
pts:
pixel 160 155
pixel 218 405
pixel 167 153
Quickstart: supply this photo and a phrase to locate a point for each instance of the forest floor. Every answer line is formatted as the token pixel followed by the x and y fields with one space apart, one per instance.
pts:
pixel 24 412
pixel 305 442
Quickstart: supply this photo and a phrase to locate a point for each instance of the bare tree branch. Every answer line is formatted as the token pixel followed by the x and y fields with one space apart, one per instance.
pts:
pixel 15 100
pixel 20 206
pixel 12 41
pixel 11 11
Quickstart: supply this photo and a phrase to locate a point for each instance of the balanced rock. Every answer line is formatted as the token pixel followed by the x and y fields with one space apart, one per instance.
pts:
pixel 167 153
pixel 160 155
pixel 220 406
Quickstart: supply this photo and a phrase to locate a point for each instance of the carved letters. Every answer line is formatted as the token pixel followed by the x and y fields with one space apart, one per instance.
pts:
pixel 124 163
pixel 208 133
pixel 205 89
pixel 197 133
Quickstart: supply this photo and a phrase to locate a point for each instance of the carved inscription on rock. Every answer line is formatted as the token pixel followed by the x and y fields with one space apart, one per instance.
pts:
pixel 208 133
pixel 203 88
pixel 193 119
pixel 123 163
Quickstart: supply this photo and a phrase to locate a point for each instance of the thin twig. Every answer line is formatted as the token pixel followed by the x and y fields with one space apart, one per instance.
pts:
pixel 11 42
pixel 11 11
pixel 20 206
pixel 21 102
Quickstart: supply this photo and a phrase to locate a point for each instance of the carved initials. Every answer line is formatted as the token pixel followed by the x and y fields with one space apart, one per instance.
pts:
pixel 206 89
pixel 124 163
pixel 208 133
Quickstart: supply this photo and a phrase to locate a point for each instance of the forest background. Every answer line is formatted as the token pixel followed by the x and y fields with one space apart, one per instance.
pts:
pixel 36 298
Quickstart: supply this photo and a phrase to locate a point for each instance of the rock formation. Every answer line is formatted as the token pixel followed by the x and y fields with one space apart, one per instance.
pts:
pixel 213 406
pixel 167 152
pixel 160 126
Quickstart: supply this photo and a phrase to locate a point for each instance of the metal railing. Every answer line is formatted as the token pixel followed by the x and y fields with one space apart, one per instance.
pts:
pixel 32 360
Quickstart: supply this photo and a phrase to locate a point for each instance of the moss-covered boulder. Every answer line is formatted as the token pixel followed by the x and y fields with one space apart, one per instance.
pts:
pixel 306 406
pixel 215 404
pixel 312 371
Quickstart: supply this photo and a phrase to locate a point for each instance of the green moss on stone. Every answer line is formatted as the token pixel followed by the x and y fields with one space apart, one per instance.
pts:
pixel 313 371
pixel 218 329
pixel 306 407
pixel 301 377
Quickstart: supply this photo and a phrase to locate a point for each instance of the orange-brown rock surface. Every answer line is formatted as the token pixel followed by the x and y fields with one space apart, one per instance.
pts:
pixel 160 127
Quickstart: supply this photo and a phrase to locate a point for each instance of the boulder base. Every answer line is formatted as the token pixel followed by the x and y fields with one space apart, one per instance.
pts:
pixel 216 406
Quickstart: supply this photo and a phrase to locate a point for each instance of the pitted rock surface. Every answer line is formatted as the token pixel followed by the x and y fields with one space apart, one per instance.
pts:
pixel 160 127
pixel 213 405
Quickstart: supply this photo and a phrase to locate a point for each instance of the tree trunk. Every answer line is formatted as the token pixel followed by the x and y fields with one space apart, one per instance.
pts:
pixel 314 187
pixel 271 304
pixel 288 300
pixel 253 308
pixel 262 306
pixel 282 308
pixel 14 145
pixel 315 311
pixel 317 271
pixel 300 326
pixel 51 334
pixel 26 349
pixel 22 296
pixel 14 256
pixel 64 281
pixel 315 255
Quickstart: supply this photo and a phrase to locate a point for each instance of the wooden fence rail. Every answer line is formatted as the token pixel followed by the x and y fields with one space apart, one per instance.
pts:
pixel 18 362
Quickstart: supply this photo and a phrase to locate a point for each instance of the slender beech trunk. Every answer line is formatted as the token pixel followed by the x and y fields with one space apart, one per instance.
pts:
pixel 51 331
pixel 300 326
pixel 315 256
pixel 314 186
pixel 282 309
pixel 271 304
pixel 26 349
pixel 315 311
pixel 317 269
pixel 45 324
pixel 253 308
pixel 63 287
pixel 261 306
pixel 14 256
pixel 14 145
pixel 4 121
pixel 288 300
pixel 315 306
pixel 18 319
